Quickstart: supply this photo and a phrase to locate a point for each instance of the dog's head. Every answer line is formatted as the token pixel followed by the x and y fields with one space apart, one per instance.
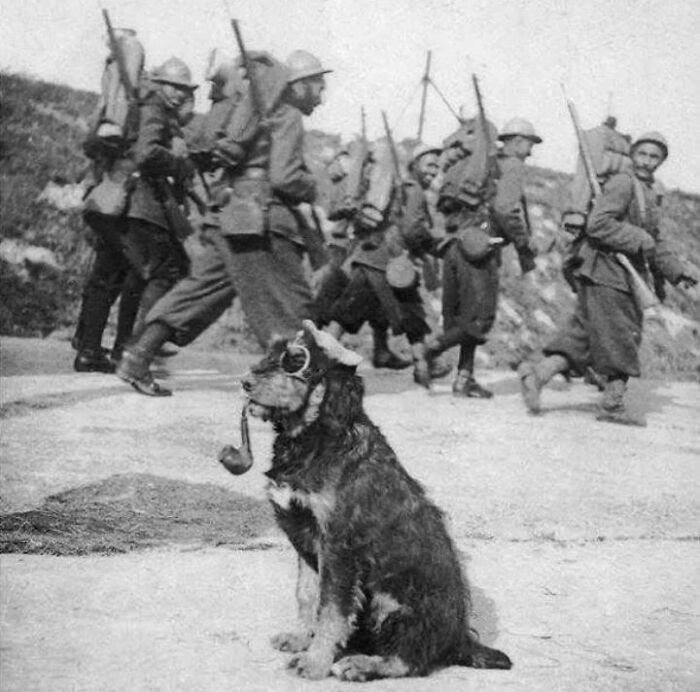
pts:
pixel 303 380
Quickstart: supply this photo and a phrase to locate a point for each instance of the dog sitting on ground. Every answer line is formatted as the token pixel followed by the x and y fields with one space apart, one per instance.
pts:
pixel 380 586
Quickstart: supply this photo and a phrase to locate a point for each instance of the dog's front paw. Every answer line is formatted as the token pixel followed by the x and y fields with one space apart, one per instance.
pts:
pixel 357 668
pixel 314 666
pixel 291 642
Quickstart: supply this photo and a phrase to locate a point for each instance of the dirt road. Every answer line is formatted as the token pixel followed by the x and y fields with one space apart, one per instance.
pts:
pixel 580 538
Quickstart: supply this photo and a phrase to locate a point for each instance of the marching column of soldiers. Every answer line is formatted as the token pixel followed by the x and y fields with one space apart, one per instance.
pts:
pixel 242 167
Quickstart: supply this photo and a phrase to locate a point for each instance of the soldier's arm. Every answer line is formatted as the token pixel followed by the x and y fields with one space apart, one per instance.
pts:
pixel 151 156
pixel 239 128
pixel 666 261
pixel 507 207
pixel 607 228
pixel 416 222
pixel 289 176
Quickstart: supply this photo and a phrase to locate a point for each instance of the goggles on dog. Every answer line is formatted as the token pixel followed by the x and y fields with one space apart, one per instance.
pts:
pixel 295 360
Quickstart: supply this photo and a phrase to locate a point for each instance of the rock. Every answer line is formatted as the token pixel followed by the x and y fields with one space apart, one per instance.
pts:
pixel 63 197
pixel 23 256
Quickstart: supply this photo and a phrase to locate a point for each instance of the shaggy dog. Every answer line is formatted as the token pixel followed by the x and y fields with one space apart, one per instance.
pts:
pixel 380 584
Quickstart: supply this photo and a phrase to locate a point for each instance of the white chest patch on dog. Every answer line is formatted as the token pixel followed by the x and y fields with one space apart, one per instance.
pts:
pixel 321 504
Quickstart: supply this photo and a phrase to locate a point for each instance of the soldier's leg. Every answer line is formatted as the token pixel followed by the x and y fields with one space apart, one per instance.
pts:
pixel 129 303
pixel 101 290
pixel 616 333
pixel 156 258
pixel 427 365
pixel 465 384
pixel 568 351
pixel 274 292
pixel 180 316
pixel 382 355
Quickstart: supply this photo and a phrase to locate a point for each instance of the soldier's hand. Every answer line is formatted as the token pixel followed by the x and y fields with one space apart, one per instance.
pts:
pixel 688 281
pixel 178 148
pixel 369 217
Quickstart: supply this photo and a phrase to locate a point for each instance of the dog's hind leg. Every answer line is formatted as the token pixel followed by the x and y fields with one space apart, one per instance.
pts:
pixel 307 600
pixel 358 668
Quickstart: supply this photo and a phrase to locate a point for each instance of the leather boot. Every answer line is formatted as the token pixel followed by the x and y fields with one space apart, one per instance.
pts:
pixel 438 366
pixel 134 366
pixel 612 407
pixel 466 386
pixel 421 366
pixel 89 360
pixel 390 360
pixel 534 377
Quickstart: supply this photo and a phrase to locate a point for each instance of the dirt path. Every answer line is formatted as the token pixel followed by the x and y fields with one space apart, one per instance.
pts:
pixel 580 538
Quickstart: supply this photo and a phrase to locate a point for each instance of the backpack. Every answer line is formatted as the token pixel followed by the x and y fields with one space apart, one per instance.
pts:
pixel 116 117
pixel 470 181
pixel 610 154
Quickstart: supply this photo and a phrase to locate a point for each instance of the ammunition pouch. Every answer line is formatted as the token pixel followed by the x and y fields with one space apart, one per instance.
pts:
pixel 401 273
pixel 474 241
pixel 243 208
pixel 110 197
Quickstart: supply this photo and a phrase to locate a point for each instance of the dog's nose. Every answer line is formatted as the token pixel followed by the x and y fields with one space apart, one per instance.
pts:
pixel 246 382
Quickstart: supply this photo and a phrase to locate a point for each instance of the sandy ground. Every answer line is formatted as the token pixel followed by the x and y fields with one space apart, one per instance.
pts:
pixel 580 538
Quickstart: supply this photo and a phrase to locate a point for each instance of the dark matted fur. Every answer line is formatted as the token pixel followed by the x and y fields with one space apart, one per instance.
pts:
pixel 392 598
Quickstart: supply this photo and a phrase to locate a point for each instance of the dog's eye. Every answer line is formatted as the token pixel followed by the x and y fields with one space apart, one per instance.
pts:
pixel 295 360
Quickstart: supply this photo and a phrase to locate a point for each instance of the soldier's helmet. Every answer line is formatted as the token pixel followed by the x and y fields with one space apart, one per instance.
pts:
pixel 302 64
pixel 174 71
pixel 522 127
pixel 220 66
pixel 653 137
pixel 423 149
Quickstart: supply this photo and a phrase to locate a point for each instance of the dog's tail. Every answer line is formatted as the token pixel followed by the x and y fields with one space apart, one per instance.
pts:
pixel 477 655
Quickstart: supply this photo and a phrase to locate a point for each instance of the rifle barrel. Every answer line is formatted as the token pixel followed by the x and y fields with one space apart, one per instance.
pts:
pixel 255 96
pixel 117 53
pixel 395 160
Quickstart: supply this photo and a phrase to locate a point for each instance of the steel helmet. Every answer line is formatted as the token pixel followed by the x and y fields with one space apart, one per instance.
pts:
pixel 522 127
pixel 653 137
pixel 423 149
pixel 220 66
pixel 302 64
pixel 174 71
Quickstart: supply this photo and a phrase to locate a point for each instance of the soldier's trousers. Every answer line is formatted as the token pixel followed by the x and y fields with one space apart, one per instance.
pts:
pixel 369 298
pixel 604 332
pixel 157 262
pixel 267 274
pixel 104 284
pixel 469 297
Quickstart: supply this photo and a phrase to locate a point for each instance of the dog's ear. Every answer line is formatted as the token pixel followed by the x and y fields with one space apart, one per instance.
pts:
pixel 333 349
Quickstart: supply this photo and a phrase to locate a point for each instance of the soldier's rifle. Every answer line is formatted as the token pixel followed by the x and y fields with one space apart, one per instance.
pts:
pixel 490 165
pixel 396 164
pixel 253 86
pixel 425 81
pixel 644 295
pixel 356 172
pixel 118 56
pixel 490 149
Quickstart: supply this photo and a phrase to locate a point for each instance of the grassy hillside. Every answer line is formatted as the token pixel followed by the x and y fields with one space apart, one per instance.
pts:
pixel 42 128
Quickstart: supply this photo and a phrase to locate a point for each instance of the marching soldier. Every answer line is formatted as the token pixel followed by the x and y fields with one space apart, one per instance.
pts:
pixel 482 214
pixel 156 225
pixel 254 244
pixel 383 285
pixel 335 277
pixel 605 330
